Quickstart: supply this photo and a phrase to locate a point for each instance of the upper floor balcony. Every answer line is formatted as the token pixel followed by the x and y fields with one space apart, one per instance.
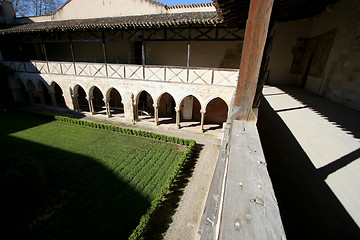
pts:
pixel 176 74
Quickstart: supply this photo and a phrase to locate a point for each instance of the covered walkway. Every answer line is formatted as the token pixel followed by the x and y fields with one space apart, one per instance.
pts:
pixel 312 147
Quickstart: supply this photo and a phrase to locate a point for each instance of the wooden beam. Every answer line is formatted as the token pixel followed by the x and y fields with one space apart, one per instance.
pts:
pixel 254 43
pixel 104 52
pixel 72 52
pixel 263 74
pixel 188 57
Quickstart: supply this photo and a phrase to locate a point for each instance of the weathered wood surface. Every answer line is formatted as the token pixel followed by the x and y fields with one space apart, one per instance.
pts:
pixel 254 42
pixel 208 224
pixel 250 208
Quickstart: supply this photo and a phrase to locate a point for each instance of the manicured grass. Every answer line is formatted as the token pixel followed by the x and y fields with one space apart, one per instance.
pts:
pixel 103 181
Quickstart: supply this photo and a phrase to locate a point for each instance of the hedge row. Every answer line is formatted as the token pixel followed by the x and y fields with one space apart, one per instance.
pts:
pixel 126 130
pixel 138 231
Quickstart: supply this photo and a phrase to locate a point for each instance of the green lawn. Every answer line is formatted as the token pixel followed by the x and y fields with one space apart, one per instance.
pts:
pixel 98 183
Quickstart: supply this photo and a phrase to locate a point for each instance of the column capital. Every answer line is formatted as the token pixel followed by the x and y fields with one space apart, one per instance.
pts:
pixel 155 105
pixel 203 111
pixel 177 109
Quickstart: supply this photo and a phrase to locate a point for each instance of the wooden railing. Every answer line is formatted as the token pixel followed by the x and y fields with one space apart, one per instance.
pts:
pixel 206 76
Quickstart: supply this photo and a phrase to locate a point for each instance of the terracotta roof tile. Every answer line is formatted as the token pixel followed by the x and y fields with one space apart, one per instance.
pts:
pixel 127 22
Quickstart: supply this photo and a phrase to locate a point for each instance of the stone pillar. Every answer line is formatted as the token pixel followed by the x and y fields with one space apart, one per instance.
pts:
pixel 91 105
pixel 41 94
pixel 53 99
pixel 136 111
pixel 31 97
pixel 76 102
pixel 156 113
pixel 107 106
pixel 177 109
pixel 17 96
pixel 202 120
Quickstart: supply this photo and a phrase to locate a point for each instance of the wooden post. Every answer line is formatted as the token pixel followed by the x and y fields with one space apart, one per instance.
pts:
pixel 72 53
pixel 188 56
pixel 143 54
pixel 104 51
pixel 45 54
pixel 254 42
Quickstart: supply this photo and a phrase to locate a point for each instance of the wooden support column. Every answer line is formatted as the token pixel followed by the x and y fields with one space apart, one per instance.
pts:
pixel 143 54
pixel 104 51
pixel 72 52
pixel 263 74
pixel 254 43
pixel 188 57
pixel 45 54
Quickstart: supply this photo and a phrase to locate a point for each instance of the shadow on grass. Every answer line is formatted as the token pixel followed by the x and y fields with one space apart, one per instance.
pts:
pixel 162 217
pixel 93 202
pixel 309 209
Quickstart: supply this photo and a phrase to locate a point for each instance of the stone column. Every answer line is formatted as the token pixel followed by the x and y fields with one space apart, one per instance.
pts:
pixel 177 109
pixel 91 105
pixel 202 120
pixel 156 113
pixel 76 102
pixel 136 111
pixel 53 99
pixel 107 105
pixel 41 94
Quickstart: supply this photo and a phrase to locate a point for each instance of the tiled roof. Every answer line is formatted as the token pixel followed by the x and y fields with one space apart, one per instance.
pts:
pixel 127 22
pixel 194 5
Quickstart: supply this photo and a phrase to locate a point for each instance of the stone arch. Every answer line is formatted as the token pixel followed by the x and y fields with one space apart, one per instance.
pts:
pixel 44 93
pixel 166 108
pixel 57 95
pixel 80 98
pixel 114 101
pixel 190 111
pixel 33 92
pixel 216 111
pixel 97 100
pixel 144 105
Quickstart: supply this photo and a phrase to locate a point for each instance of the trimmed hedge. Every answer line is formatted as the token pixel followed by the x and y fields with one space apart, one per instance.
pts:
pixel 138 231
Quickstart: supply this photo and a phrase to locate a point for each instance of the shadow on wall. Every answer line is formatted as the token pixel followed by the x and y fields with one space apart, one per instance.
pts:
pixel 88 195
pixel 308 207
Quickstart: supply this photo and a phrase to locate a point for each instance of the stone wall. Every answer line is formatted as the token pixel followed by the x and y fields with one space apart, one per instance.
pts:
pixel 128 89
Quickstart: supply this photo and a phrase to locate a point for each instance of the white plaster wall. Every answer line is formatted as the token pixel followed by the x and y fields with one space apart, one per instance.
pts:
pixel 211 54
pixel 188 108
pixel 341 79
pixel 166 53
pixel 281 57
pixel 106 8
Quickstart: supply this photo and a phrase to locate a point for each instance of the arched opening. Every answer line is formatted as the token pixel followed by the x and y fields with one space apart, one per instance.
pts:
pixel 216 114
pixel 145 106
pixel 166 106
pixel 80 97
pixel 190 112
pixel 23 95
pixel 115 104
pixel 45 93
pixel 59 98
pixel 33 93
pixel 97 101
